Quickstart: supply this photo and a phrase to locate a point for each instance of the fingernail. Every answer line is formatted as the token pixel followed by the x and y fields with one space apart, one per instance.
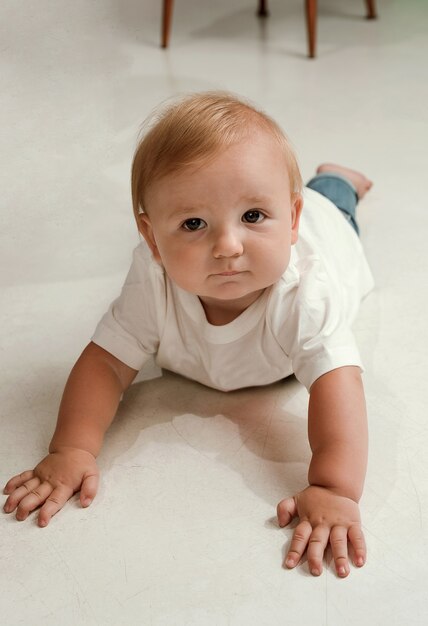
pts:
pixel 315 571
pixel 341 571
pixel 289 562
pixel 360 561
pixel 87 501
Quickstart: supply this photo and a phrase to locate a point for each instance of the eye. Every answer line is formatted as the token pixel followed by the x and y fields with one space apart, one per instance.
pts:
pixel 253 217
pixel 194 223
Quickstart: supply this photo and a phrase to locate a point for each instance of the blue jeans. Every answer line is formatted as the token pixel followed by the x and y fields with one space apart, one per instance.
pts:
pixel 340 191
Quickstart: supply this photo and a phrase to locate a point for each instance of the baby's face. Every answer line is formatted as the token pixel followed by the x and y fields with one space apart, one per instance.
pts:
pixel 223 230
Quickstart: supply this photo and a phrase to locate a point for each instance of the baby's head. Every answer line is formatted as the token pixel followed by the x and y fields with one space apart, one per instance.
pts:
pixel 216 194
pixel 195 128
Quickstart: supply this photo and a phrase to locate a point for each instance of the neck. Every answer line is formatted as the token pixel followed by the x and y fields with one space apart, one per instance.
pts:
pixel 221 312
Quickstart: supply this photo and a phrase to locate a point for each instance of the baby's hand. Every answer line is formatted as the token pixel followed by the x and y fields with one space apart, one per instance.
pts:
pixel 52 482
pixel 325 517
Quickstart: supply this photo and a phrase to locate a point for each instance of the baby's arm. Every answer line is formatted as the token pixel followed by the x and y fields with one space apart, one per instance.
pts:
pixel 328 508
pixel 89 403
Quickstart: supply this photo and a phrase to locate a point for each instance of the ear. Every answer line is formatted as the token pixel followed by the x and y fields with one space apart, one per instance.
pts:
pixel 296 210
pixel 146 229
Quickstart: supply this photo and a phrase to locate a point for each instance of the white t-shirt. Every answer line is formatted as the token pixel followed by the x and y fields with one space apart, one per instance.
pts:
pixel 300 324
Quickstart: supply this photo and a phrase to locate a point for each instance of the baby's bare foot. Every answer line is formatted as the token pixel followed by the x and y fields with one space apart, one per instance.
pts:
pixel 361 183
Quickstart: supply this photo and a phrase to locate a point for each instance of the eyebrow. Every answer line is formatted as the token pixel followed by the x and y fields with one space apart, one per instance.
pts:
pixel 251 199
pixel 255 199
pixel 186 211
pixel 183 212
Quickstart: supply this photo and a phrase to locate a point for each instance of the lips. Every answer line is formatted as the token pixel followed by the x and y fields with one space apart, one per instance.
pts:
pixel 228 273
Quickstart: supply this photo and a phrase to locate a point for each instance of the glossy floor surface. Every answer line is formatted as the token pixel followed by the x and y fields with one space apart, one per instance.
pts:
pixel 183 531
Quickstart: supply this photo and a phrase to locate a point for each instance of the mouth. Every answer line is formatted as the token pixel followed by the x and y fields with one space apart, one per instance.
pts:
pixel 228 273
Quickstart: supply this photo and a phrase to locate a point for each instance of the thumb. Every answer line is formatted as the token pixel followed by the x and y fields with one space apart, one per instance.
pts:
pixel 286 510
pixel 89 489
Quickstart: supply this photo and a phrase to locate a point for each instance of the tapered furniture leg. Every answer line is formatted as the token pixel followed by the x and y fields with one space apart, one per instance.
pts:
pixel 371 9
pixel 166 21
pixel 263 10
pixel 311 20
pixel 311 25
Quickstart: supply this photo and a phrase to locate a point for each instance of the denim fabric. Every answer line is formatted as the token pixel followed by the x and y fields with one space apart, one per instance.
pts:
pixel 340 191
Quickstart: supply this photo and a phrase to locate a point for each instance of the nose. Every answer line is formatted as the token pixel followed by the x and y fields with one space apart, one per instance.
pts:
pixel 227 243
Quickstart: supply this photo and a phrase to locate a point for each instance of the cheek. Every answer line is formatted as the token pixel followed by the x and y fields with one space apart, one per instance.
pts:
pixel 180 261
pixel 275 252
pixel 278 264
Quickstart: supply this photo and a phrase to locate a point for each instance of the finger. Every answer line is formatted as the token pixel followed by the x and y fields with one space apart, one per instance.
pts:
pixel 358 543
pixel 286 511
pixel 316 547
pixel 339 549
pixel 18 494
pixel 17 481
pixel 89 489
pixel 298 543
pixel 53 504
pixel 33 500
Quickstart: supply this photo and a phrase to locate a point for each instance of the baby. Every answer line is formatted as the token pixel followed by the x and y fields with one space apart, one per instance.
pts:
pixel 233 285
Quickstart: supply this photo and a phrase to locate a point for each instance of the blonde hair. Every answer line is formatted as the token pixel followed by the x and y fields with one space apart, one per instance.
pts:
pixel 195 128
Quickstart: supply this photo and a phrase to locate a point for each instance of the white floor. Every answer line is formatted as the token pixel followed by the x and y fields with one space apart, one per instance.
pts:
pixel 183 531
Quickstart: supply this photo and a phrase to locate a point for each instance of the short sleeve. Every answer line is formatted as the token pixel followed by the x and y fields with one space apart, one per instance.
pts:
pixel 317 357
pixel 315 333
pixel 132 326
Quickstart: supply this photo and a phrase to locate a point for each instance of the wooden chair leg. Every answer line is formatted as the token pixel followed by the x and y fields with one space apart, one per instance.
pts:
pixel 371 9
pixel 166 21
pixel 311 25
pixel 263 10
